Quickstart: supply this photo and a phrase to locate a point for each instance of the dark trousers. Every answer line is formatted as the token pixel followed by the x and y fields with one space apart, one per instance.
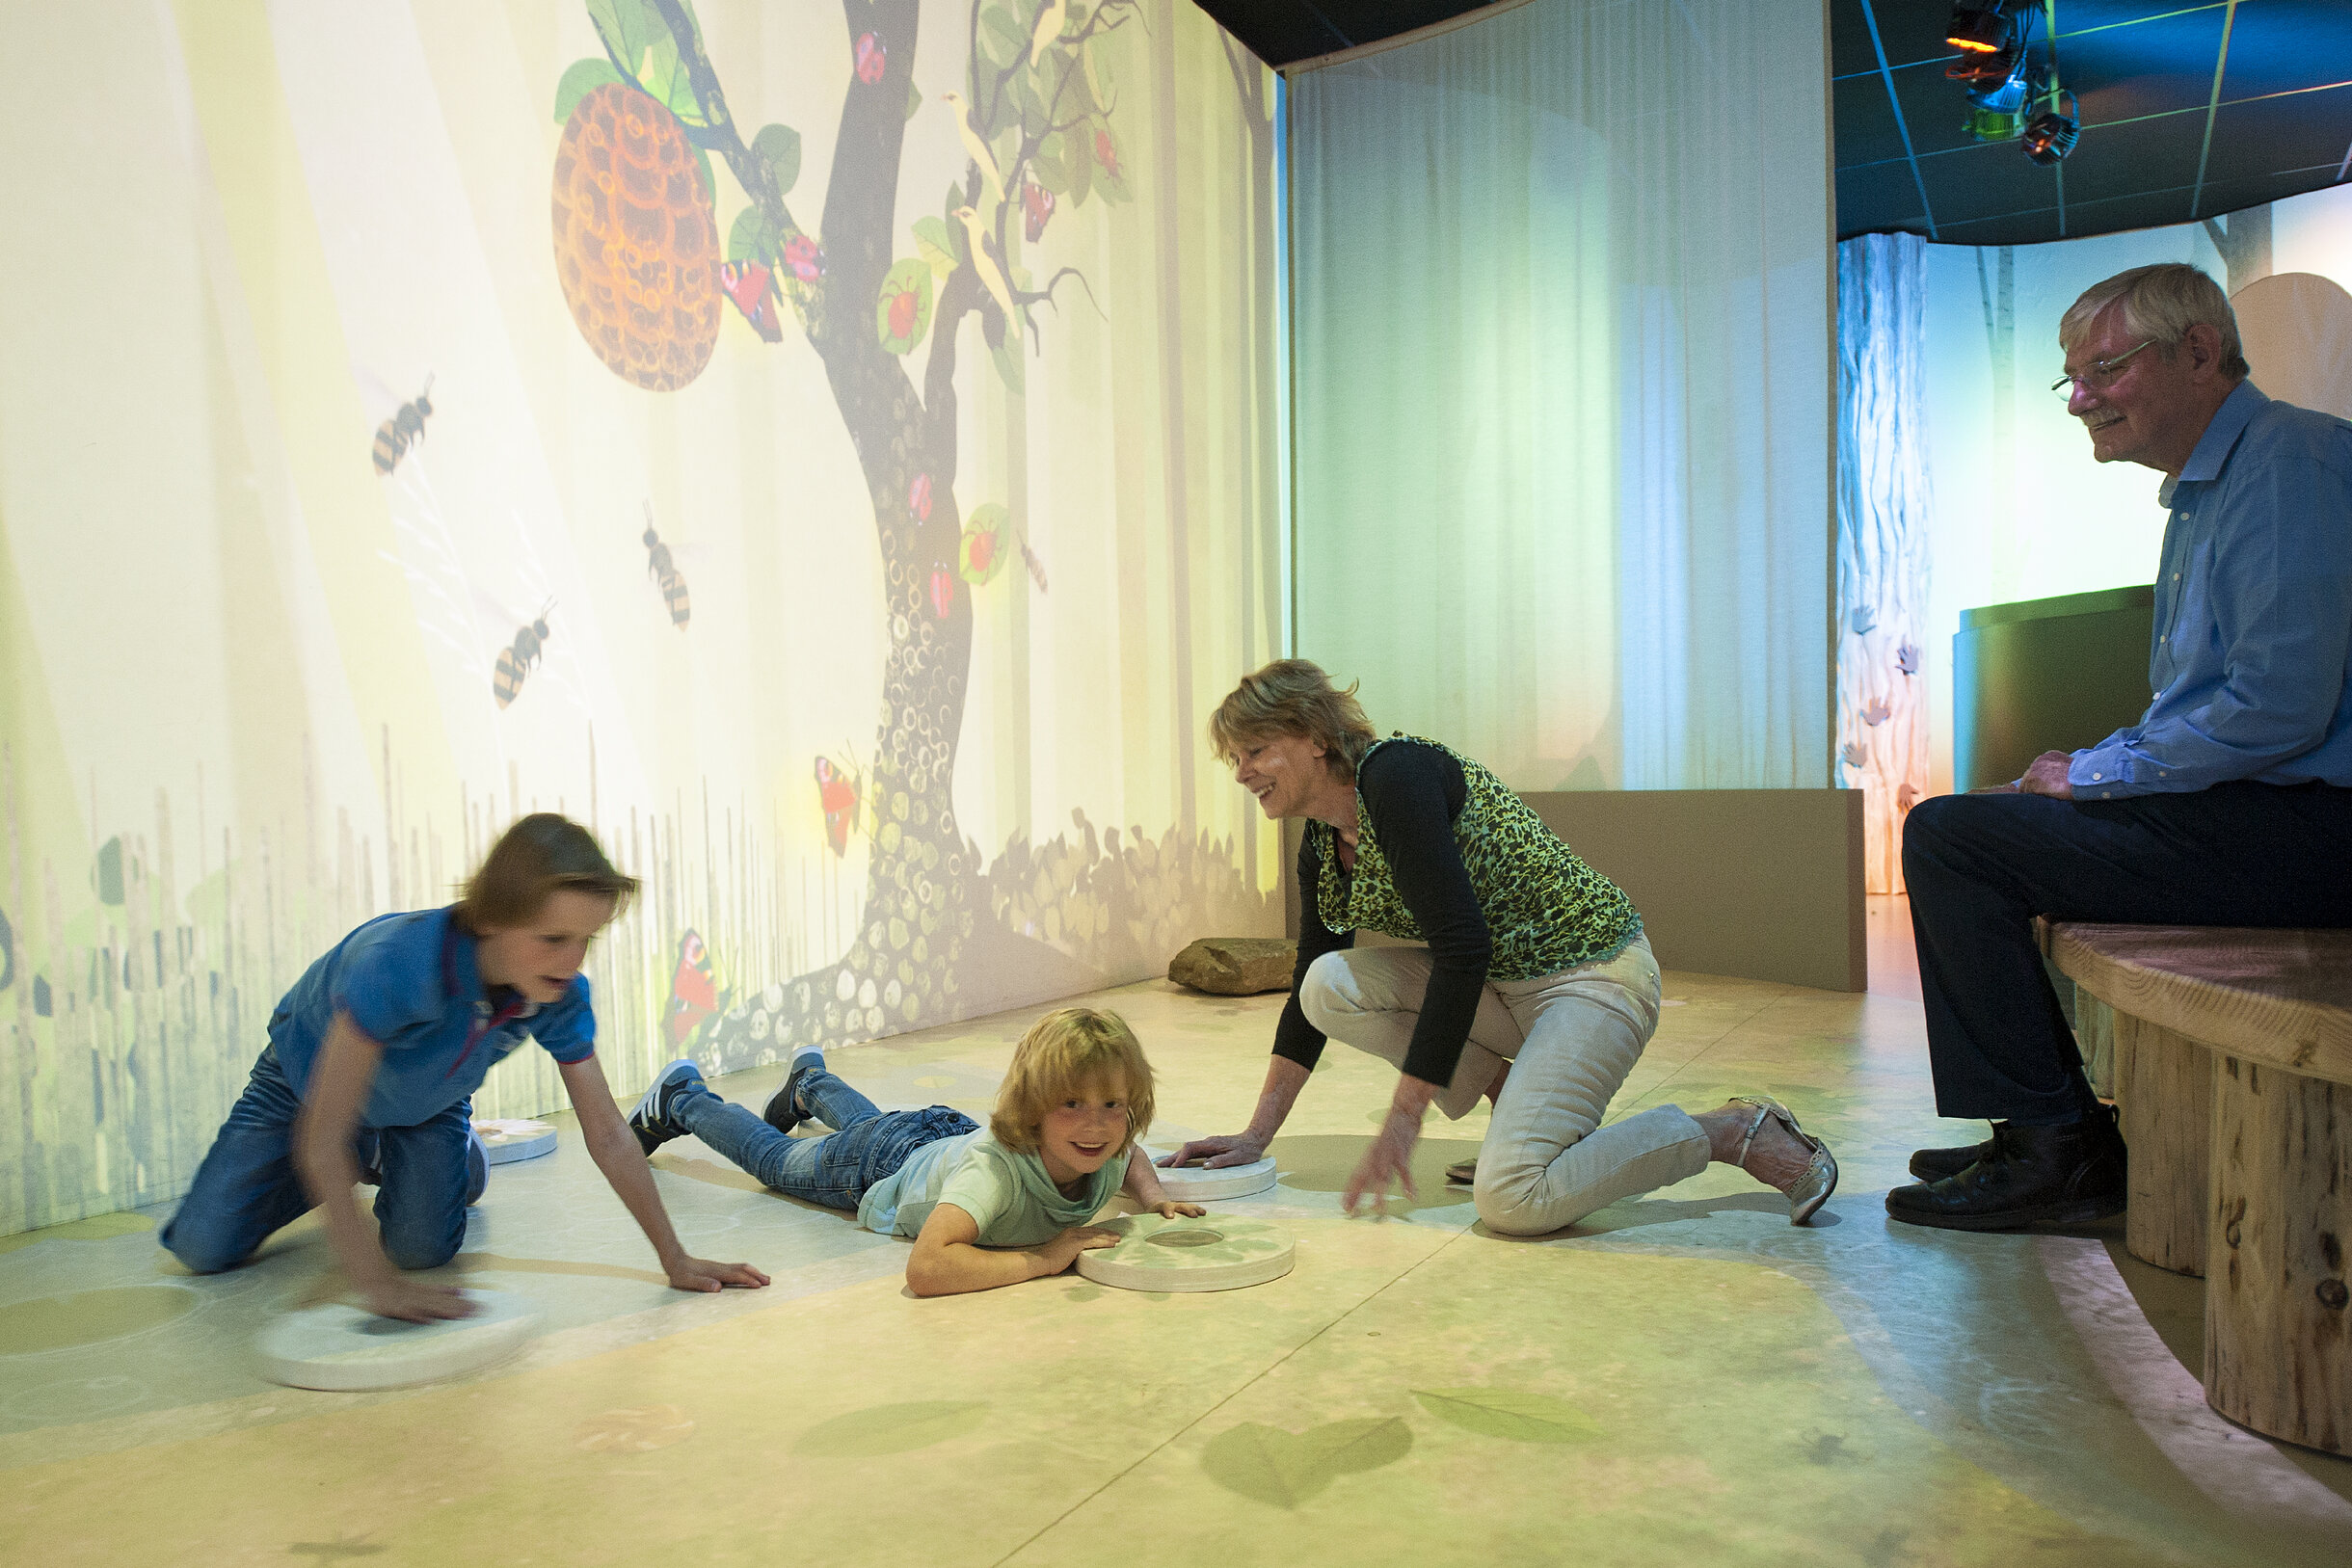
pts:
pixel 1980 868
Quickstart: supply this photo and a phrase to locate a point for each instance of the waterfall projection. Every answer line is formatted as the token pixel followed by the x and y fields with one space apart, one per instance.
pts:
pixel 1881 541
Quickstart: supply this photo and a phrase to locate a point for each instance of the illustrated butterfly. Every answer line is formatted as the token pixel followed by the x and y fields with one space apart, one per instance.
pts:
pixel 746 283
pixel 943 588
pixel 1036 206
pixel 836 790
pixel 693 990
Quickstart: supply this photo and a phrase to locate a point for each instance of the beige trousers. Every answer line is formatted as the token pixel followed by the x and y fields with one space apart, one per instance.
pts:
pixel 1571 1038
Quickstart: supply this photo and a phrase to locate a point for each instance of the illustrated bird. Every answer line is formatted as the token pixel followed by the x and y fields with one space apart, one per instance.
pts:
pixel 974 143
pixel 1049 28
pixel 992 276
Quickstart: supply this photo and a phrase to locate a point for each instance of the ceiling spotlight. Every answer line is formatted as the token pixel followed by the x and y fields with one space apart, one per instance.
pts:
pixel 1978 26
pixel 2050 135
pixel 1994 81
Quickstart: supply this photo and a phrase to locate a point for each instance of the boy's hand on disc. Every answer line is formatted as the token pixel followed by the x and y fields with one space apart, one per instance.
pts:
pixel 1172 1209
pixel 414 1301
pixel 699 1274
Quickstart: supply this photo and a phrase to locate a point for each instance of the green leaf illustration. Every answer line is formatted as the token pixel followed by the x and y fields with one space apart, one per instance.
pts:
pixel 939 244
pixel 902 310
pixel 1002 39
pixel 583 78
pixel 1286 1469
pixel 640 42
pixel 1509 1413
pixel 914 97
pixel 779 146
pixel 1007 359
pixel 753 237
pixel 901 1428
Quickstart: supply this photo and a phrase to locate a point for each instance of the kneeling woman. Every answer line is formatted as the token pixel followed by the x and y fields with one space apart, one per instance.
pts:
pixel 1536 988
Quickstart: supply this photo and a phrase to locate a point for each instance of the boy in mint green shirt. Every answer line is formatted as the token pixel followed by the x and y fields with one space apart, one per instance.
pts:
pixel 985 1208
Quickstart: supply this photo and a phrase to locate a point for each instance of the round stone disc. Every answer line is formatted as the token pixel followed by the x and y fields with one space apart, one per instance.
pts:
pixel 345 1349
pixel 506 1142
pixel 1211 1253
pixel 1198 1184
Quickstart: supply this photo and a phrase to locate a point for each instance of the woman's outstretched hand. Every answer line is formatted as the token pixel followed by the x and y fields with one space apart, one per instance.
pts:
pixel 1389 1158
pixel 1235 1148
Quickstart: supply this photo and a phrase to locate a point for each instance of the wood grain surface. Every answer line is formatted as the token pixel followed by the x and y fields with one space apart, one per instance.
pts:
pixel 2279 998
pixel 2164 1085
pixel 2278 1317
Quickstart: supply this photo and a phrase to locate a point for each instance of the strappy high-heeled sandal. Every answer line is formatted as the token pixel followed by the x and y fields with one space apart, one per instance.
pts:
pixel 1811 1190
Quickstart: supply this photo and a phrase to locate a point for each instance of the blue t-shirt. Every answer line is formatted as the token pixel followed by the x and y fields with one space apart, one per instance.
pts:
pixel 1006 1192
pixel 411 983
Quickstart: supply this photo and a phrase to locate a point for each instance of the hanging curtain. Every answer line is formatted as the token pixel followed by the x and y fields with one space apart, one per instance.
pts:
pixel 1881 540
pixel 1561 362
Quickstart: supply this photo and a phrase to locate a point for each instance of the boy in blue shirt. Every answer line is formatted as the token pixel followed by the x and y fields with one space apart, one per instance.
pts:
pixel 374 1056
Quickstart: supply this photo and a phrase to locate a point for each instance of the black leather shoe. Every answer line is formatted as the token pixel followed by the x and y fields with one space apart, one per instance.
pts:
pixel 1935 1164
pixel 2035 1175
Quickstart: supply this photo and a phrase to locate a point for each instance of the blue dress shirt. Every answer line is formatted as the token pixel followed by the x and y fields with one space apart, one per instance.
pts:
pixel 2252 662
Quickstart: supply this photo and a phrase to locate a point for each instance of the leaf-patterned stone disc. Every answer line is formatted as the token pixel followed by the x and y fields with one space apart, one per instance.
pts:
pixel 1216 1252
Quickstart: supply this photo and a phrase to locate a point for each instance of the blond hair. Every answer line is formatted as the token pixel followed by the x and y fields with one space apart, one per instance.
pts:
pixel 539 857
pixel 2160 303
pixel 1294 697
pixel 1063 1052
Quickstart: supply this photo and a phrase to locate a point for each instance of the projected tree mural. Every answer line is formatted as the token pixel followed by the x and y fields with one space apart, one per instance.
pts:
pixel 649 265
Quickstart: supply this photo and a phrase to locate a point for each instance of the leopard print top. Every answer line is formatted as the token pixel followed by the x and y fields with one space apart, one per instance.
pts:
pixel 1546 910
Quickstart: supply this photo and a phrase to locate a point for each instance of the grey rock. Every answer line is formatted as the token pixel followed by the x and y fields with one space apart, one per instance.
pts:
pixel 1236 966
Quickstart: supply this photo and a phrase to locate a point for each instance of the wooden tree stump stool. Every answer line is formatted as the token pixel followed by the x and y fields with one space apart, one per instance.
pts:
pixel 2272 1011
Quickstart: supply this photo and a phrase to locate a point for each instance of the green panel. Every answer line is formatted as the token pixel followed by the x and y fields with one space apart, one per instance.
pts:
pixel 2048 674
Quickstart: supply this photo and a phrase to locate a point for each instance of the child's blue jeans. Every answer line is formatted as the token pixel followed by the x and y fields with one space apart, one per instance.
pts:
pixel 248 1187
pixel 866 1144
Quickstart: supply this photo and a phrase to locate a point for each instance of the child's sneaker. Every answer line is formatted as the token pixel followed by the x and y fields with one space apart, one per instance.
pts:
pixel 784 1111
pixel 651 1120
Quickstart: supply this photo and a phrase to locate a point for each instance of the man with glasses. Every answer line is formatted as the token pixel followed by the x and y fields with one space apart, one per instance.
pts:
pixel 2230 803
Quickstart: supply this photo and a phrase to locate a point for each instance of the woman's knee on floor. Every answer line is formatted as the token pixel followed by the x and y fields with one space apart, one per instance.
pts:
pixel 1506 1198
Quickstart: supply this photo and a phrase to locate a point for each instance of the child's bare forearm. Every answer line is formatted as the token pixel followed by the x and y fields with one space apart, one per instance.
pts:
pixel 1143 1179
pixel 329 1174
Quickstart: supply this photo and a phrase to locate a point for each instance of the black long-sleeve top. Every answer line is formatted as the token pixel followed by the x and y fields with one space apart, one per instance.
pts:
pixel 1412 795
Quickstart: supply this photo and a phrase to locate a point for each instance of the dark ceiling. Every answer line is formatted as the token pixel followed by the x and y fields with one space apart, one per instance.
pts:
pixel 2188 110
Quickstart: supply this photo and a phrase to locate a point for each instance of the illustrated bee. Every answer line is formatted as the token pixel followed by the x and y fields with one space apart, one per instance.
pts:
pixel 516 662
pixel 403 430
pixel 660 567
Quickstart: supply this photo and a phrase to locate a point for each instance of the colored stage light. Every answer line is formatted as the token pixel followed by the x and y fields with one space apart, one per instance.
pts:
pixel 2050 135
pixel 1978 29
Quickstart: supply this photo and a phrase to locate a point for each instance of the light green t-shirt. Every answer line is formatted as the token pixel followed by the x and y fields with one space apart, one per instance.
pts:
pixel 1007 1193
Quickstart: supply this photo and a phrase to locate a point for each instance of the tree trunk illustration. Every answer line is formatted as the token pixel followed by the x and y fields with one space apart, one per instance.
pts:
pixel 1036 111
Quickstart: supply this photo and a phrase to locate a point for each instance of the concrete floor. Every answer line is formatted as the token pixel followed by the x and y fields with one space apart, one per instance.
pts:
pixel 1685 1379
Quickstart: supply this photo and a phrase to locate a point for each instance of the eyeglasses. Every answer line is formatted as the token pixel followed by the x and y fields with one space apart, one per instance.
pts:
pixel 2097 376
